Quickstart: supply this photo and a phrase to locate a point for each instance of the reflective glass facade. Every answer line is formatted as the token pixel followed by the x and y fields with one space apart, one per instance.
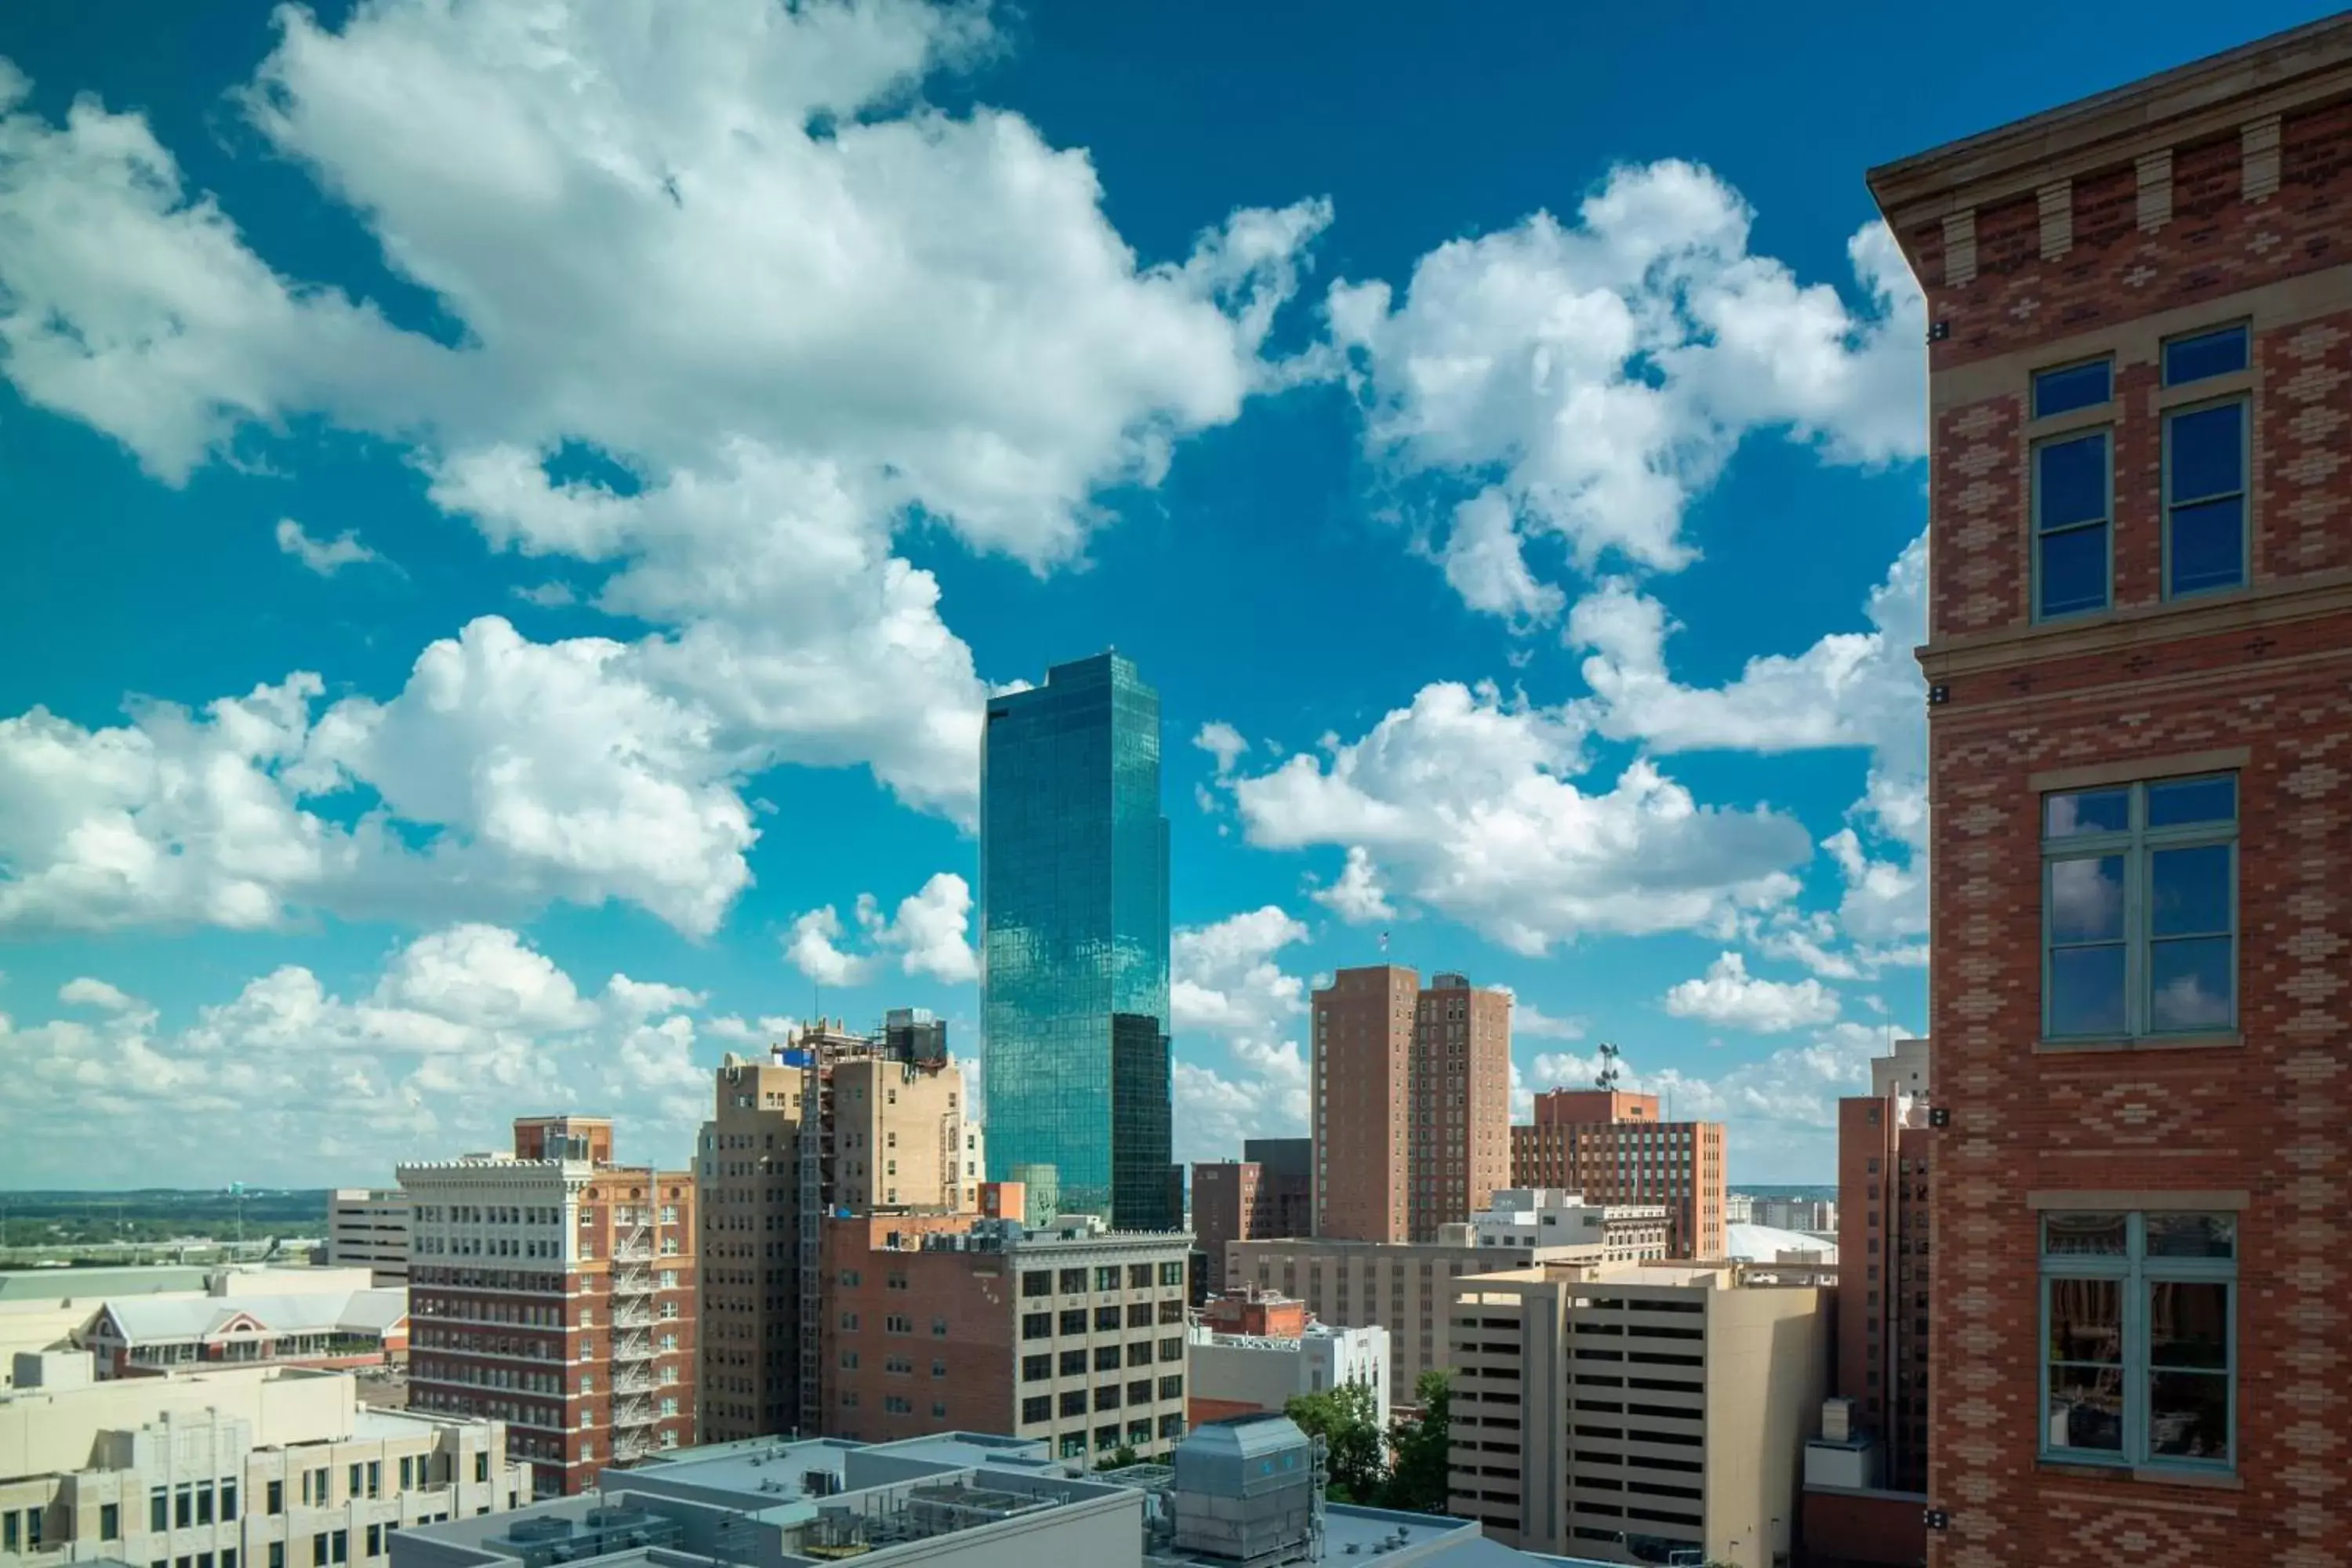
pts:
pixel 1074 940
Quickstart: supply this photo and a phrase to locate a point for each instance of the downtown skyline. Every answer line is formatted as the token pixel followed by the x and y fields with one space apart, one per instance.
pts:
pixel 416 716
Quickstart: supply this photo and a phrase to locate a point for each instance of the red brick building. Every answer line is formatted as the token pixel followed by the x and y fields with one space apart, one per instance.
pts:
pixel 555 1291
pixel 1229 1204
pixel 2140 718
pixel 1886 1171
pixel 1412 1092
pixel 1610 1147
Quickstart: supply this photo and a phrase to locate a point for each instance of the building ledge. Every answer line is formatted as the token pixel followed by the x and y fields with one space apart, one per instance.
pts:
pixel 2224 1040
pixel 2265 603
pixel 2149 1475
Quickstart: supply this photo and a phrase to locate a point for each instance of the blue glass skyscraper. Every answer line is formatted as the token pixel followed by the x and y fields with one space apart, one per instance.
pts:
pixel 1074 941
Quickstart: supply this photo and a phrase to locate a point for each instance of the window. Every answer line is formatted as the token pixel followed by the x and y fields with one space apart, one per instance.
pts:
pixel 1036 1368
pixel 1073 1402
pixel 9 1526
pixel 158 1510
pixel 375 1540
pixel 184 1506
pixel 110 1521
pixel 228 1502
pixel 1138 1276
pixel 1107 1276
pixel 1037 1282
pixel 2138 1315
pixel 2139 908
pixel 319 1549
pixel 1171 1387
pixel 1171 1349
pixel 2073 492
pixel 1106 1438
pixel 1074 1321
pixel 1036 1325
pixel 2207 354
pixel 277 1554
pixel 2205 498
pixel 1073 1282
pixel 1172 1274
pixel 204 1502
pixel 1039 1407
pixel 1107 1319
pixel 1106 1358
pixel 2072 386
pixel 356 1489
pixel 1074 1364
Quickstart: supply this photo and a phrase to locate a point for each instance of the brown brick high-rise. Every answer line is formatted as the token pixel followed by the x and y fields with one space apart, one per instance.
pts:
pixel 1412 1092
pixel 2141 719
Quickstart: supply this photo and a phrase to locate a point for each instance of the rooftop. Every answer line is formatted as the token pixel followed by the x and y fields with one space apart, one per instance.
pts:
pixel 772 1503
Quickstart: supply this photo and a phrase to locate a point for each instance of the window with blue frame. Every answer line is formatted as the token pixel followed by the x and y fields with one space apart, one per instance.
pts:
pixel 2205 462
pixel 2074 494
pixel 2139 1338
pixel 2139 901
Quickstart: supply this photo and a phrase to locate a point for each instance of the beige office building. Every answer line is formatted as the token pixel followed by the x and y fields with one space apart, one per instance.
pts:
pixel 266 1468
pixel 1631 1412
pixel 1411 1114
pixel 1403 1287
pixel 828 1122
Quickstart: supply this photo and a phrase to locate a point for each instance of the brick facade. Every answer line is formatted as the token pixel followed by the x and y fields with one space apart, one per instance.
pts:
pixel 2214 196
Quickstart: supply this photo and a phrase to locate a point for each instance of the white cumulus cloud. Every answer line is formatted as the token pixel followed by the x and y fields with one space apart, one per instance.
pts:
pixel 1472 803
pixel 929 934
pixel 1586 380
pixel 1729 996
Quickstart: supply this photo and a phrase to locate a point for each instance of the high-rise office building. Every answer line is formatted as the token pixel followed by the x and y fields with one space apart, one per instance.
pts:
pixel 1074 943
pixel 554 1290
pixel 828 1122
pixel 1610 1147
pixel 1412 1092
pixel 2138 664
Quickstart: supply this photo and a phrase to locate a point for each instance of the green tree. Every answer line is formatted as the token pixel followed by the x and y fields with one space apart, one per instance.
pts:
pixel 1348 1421
pixel 1417 1482
pixel 1122 1458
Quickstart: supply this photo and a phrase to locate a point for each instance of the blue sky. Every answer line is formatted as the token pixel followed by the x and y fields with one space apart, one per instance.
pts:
pixel 507 533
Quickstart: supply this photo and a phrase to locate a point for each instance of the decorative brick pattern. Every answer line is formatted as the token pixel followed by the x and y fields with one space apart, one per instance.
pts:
pixel 2264 1112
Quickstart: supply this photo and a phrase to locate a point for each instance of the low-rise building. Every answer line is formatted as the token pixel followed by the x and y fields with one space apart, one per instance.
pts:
pixel 1072 1335
pixel 1404 1286
pixel 367 1227
pixel 344 1329
pixel 253 1467
pixel 1630 1413
pixel 1549 1216
pixel 1813 1214
pixel 1236 1373
pixel 1245 1491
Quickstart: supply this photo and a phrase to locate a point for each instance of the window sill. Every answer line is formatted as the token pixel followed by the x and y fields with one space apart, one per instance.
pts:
pixel 2151 1475
pixel 2221 1040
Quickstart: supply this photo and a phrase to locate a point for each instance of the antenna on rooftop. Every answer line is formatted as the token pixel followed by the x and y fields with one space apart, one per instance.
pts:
pixel 1607 1077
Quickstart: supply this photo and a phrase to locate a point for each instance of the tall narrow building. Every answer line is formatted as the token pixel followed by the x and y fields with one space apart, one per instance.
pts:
pixel 828 1122
pixel 1074 942
pixel 2138 667
pixel 1411 1114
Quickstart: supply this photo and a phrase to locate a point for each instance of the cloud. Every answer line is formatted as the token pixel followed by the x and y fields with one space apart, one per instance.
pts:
pixel 1226 984
pixel 459 1031
pixel 1586 381
pixel 723 303
pixel 930 934
pixel 1357 896
pixel 1223 741
pixel 325 557
pixel 1731 998
pixel 87 993
pixel 1860 689
pixel 1470 802
pixel 1530 1022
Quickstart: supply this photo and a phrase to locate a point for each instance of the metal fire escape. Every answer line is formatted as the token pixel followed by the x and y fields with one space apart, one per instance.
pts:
pixel 634 1435
pixel 815 1162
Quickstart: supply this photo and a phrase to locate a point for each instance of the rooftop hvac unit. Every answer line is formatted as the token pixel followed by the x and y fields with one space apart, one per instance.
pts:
pixel 1246 1491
